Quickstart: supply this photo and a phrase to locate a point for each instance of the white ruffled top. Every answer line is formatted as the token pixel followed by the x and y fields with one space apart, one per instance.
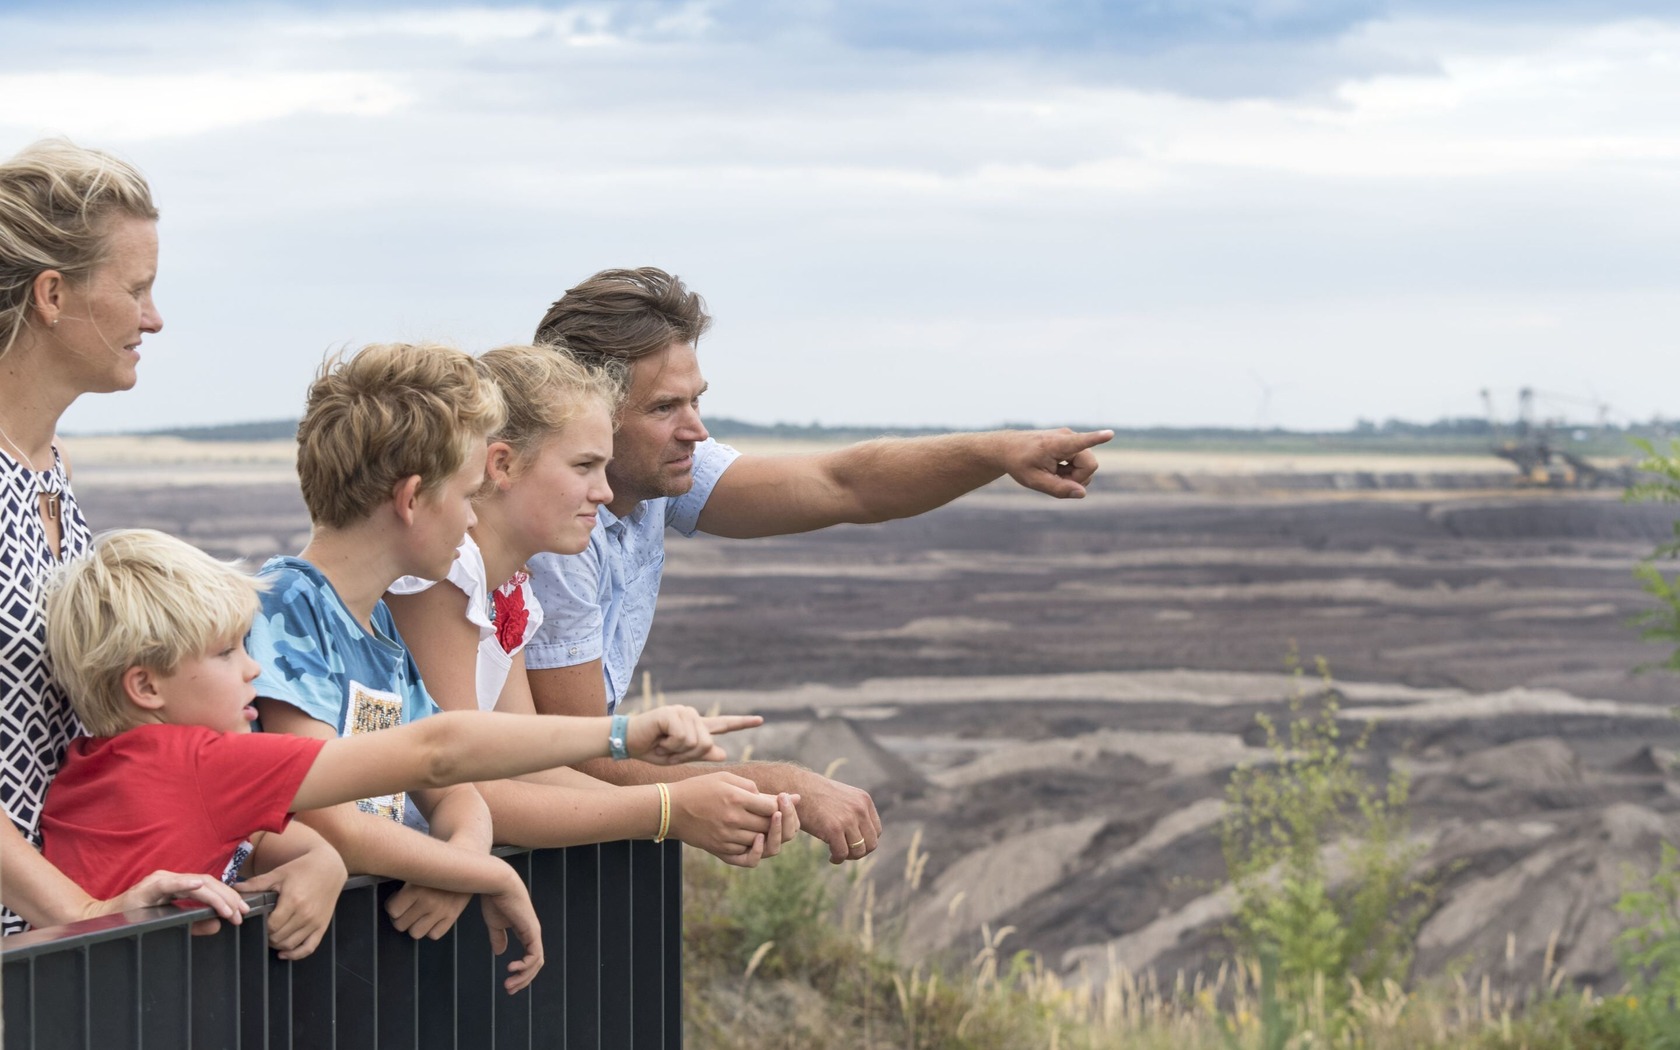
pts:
pixel 506 617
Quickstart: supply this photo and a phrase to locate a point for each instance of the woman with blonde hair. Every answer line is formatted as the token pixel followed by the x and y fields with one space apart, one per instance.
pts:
pixel 78 255
pixel 545 477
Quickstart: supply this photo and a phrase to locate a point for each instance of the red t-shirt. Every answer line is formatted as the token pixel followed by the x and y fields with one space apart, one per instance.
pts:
pixel 180 798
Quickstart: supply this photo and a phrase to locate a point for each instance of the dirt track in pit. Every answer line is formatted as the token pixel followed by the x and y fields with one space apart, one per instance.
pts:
pixel 1055 693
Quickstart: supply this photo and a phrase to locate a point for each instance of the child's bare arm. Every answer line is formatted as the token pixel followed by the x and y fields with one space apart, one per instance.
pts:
pixel 442 642
pixel 459 746
pixel 308 874
pixel 374 845
pixel 371 844
pixel 458 816
pixel 562 806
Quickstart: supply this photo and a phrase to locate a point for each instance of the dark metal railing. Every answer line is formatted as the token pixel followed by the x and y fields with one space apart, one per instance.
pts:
pixel 612 934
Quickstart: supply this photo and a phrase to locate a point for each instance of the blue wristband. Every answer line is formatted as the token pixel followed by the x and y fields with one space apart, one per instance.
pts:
pixel 617 742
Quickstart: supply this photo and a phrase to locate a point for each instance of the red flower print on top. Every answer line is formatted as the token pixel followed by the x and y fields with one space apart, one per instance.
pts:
pixel 511 614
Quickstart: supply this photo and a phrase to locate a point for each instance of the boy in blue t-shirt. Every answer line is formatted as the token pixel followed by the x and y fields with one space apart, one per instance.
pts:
pixel 390 454
pixel 316 657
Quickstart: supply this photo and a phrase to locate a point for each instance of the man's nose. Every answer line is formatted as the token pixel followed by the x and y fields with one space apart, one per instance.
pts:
pixel 690 428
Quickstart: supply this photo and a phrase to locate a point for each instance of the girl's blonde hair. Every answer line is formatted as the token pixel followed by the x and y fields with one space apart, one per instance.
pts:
pixel 544 389
pixel 56 202
pixel 139 599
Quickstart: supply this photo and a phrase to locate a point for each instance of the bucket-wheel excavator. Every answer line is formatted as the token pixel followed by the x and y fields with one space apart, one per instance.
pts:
pixel 1532 448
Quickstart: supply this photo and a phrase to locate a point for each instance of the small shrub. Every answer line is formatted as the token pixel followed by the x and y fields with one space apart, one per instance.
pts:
pixel 1318 932
pixel 1649 952
pixel 1661 624
pixel 787 901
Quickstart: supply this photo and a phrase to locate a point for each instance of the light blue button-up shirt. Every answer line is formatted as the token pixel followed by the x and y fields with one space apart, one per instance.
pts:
pixel 599 604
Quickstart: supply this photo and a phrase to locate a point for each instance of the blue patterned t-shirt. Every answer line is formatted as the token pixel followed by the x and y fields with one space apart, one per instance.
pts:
pixel 316 657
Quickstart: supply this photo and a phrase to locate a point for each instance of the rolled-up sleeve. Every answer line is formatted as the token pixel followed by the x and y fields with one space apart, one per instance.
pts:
pixel 711 459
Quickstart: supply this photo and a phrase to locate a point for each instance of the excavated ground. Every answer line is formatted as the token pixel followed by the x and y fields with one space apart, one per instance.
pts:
pixel 1056 693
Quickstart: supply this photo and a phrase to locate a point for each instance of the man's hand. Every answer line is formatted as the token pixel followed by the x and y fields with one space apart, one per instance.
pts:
pixel 308 888
pixel 164 887
pixel 725 815
pixel 842 816
pixel 667 736
pixel 1056 462
pixel 424 911
pixel 511 910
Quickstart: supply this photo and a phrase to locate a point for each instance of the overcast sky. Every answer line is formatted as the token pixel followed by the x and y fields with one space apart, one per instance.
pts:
pixel 950 212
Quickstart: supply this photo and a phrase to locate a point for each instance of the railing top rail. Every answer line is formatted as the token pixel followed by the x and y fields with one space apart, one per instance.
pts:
pixel 122 926
pixel 128 924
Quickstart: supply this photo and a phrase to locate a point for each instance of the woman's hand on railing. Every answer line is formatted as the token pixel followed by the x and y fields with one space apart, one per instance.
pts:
pixel 508 910
pixel 165 887
pixel 668 736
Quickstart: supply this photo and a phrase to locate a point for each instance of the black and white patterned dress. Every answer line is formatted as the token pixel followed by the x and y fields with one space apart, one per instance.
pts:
pixel 38 721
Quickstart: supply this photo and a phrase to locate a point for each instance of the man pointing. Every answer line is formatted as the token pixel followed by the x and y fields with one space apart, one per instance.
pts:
pixel 667 472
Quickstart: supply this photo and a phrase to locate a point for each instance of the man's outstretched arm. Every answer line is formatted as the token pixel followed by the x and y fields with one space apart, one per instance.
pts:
pixel 892 478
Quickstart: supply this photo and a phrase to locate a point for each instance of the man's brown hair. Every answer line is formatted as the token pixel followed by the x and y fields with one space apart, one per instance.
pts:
pixel 617 316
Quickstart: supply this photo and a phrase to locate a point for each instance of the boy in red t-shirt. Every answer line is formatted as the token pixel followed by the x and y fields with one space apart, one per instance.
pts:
pixel 146 636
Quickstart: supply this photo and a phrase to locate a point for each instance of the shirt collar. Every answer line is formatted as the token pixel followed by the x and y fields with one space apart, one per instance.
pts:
pixel 606 519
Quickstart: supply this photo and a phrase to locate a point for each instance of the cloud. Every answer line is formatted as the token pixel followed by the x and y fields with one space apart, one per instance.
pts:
pixel 589 26
pixel 1117 26
pixel 1367 204
pixel 140 106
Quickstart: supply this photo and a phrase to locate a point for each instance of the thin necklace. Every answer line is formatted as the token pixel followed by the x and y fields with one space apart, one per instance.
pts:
pixel 45 493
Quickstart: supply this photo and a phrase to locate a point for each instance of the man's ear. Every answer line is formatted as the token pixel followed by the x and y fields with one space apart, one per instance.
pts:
pixel 139 684
pixel 405 496
pixel 499 463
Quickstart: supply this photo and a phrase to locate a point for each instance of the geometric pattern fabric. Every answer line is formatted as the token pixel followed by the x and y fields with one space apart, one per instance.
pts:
pixel 38 721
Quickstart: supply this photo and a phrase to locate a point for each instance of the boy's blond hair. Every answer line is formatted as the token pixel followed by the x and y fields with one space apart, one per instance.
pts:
pixel 389 412
pixel 139 599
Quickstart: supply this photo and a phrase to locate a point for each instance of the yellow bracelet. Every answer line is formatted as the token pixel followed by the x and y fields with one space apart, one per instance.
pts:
pixel 664 812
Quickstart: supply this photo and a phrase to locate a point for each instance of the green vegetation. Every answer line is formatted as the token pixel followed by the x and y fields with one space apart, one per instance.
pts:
pixel 1316 934
pixel 1661 624
pixel 1648 1014
pixel 797 953
pixel 836 982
